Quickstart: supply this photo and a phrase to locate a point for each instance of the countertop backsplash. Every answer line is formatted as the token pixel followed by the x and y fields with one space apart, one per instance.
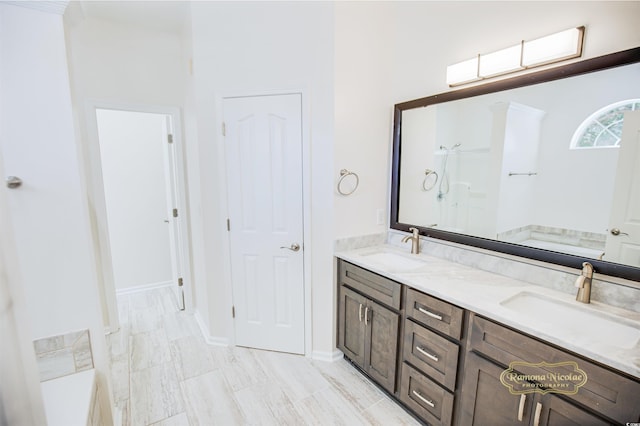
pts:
pixel 546 275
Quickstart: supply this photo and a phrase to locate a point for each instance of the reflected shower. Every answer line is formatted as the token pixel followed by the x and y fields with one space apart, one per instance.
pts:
pixel 443 188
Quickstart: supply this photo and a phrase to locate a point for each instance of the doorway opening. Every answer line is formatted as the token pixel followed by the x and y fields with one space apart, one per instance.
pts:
pixel 141 214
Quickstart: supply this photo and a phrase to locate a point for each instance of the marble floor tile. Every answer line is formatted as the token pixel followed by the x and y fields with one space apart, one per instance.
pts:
pixel 180 324
pixel 145 319
pixel 266 404
pixel 243 369
pixel 354 387
pixel 329 407
pixel 178 420
pixel 120 377
pixel 164 374
pixel 294 373
pixel 149 349
pixel 155 394
pixel 386 412
pixel 209 400
pixel 192 357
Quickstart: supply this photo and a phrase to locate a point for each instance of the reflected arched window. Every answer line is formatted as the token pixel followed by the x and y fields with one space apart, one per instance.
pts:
pixel 603 128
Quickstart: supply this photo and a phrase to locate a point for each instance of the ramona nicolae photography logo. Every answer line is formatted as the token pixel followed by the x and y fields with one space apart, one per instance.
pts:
pixel 543 377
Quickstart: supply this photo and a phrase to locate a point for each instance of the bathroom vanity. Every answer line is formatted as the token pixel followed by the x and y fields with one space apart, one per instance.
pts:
pixel 438 336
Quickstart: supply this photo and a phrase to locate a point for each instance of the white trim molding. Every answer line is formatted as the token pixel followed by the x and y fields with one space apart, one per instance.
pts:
pixel 210 340
pixel 57 7
pixel 327 356
pixel 144 287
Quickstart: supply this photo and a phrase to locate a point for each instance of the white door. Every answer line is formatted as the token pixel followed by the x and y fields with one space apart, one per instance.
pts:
pixel 263 142
pixel 623 240
pixel 139 176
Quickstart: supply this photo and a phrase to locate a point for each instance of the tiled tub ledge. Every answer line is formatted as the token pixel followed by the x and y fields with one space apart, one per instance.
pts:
pixel 71 400
pixel 486 292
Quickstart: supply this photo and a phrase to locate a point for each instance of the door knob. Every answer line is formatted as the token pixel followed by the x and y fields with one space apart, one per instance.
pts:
pixel 616 231
pixel 13 182
pixel 293 247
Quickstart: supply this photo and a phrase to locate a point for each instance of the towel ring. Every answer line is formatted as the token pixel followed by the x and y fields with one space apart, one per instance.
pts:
pixel 343 174
pixel 427 174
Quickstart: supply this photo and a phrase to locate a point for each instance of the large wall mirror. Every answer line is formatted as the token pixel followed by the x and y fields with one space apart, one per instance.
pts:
pixel 544 166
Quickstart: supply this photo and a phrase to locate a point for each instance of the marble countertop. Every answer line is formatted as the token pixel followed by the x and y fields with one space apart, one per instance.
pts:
pixel 550 315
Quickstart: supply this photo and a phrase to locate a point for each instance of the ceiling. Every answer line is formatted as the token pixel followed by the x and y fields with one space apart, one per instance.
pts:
pixel 160 15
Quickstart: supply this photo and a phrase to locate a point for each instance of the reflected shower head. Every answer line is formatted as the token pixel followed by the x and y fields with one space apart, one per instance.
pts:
pixel 450 149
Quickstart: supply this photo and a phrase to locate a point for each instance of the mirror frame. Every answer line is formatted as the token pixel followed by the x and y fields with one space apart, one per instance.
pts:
pixel 625 57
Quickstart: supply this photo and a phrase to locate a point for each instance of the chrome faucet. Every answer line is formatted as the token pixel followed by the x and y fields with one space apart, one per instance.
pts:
pixel 415 240
pixel 584 283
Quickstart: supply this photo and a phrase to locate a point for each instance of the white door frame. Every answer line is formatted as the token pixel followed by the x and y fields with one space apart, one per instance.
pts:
pixel 97 198
pixel 306 202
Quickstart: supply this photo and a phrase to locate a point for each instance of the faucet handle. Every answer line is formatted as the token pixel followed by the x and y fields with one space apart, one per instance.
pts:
pixel 580 281
pixel 415 231
pixel 587 270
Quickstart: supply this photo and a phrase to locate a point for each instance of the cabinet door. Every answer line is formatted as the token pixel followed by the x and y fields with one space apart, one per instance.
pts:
pixel 351 325
pixel 486 401
pixel 382 345
pixel 550 410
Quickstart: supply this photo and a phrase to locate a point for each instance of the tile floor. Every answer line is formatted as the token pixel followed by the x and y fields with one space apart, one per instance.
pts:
pixel 163 373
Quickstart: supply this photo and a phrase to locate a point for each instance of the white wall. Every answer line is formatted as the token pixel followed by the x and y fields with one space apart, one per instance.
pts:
pixel 244 48
pixel 118 64
pixel 133 147
pixel 49 212
pixel 363 113
pixel 432 35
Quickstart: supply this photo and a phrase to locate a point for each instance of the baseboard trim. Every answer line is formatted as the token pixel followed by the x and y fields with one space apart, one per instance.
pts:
pixel 327 356
pixel 144 287
pixel 210 340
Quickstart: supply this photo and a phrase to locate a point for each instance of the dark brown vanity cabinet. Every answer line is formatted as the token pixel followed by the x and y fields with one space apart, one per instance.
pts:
pixel 432 332
pixel 368 322
pixel 444 363
pixel 606 397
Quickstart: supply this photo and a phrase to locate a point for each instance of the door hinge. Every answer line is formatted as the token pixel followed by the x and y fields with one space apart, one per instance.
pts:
pixel 175 212
pixel 224 129
pixel 228 225
pixel 180 282
pixel 233 312
pixel 170 138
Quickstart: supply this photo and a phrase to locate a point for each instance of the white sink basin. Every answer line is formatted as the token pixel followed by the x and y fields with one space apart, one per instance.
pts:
pixel 577 322
pixel 393 262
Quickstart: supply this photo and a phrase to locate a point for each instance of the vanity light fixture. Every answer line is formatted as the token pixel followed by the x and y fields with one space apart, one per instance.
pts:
pixel 527 54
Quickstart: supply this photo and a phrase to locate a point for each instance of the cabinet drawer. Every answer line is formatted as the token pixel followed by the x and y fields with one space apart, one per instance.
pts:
pixel 432 354
pixel 435 313
pixel 372 285
pixel 430 401
pixel 607 392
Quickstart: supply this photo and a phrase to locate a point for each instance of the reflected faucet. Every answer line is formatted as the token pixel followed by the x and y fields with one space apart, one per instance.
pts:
pixel 415 240
pixel 584 283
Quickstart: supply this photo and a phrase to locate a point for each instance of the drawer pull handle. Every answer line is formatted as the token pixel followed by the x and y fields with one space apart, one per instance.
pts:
pixel 423 399
pixel 523 398
pixel 536 416
pixel 360 313
pixel 366 315
pixel 427 354
pixel 431 314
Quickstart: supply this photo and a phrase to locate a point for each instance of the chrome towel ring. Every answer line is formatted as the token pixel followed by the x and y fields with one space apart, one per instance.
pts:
pixel 430 179
pixel 344 173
